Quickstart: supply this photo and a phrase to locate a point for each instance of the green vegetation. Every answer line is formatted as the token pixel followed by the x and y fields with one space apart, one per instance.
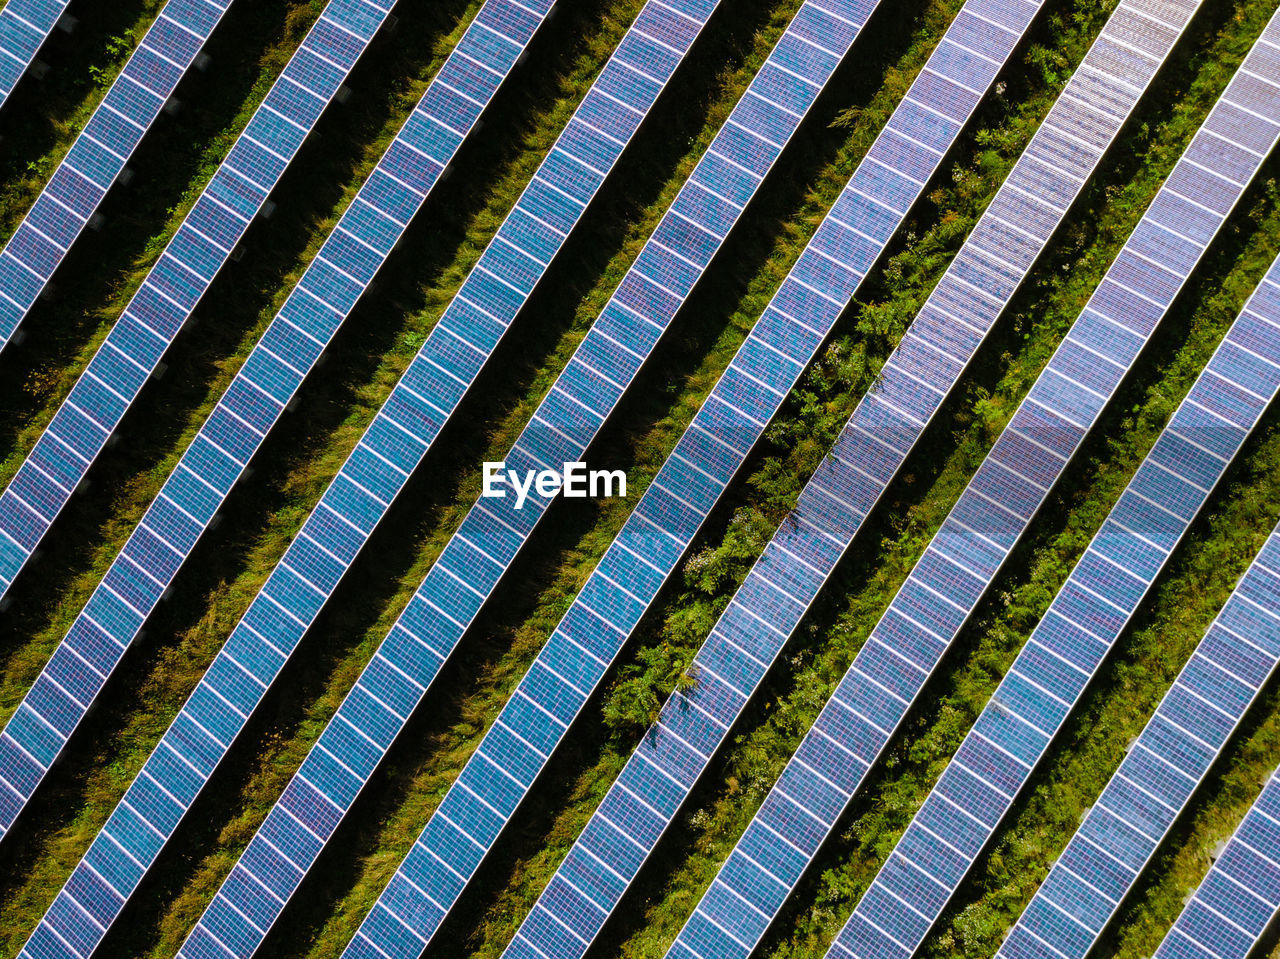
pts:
pixel 178 156
pixel 713 571
pixel 388 328
pixel 988 645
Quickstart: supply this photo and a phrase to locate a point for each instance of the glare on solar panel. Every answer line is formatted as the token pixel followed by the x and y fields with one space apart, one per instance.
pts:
pixel 595 874
pixel 1086 617
pixel 855 725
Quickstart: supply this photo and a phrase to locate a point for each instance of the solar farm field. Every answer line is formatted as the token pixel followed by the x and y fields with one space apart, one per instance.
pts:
pixel 936 342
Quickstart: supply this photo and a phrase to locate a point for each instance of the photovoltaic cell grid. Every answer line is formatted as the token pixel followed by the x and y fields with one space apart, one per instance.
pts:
pixel 256 651
pixel 1207 702
pixel 1051 672
pixel 594 876
pixel 100 153
pixel 648 298
pixel 256 398
pixel 782 839
pixel 652 541
pixel 496 779
pixel 203 243
pixel 24 27
pixel 294 833
pixel 1240 896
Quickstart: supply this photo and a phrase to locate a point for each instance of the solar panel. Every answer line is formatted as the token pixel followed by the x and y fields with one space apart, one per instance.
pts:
pixel 1240 896
pixel 782 839
pixel 1205 705
pixel 100 153
pixel 609 115
pixel 668 516
pixel 201 246
pixel 24 27
pixel 644 305
pixel 1051 672
pixel 256 398
pixel 594 876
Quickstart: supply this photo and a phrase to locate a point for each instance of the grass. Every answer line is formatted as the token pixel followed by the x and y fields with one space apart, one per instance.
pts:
pixel 875 571
pixel 107 264
pixel 525 879
pixel 295 467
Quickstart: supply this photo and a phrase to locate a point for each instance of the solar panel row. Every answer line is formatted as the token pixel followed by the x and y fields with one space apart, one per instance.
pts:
pixel 24 27
pixel 1236 657
pixel 657 534
pixel 647 300
pixel 781 840
pixel 201 246
pixel 497 777
pixel 257 650
pixel 595 874
pixel 1156 779
pixel 1240 897
pixel 1051 672
pixel 256 399
pixel 99 153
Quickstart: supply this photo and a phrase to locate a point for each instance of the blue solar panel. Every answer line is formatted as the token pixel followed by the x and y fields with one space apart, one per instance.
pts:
pixel 1208 700
pixel 875 694
pixel 644 305
pixel 203 243
pixel 640 804
pixel 672 509
pixel 24 27
pixel 256 399
pixel 99 153
pixel 675 504
pixel 1052 671
pixel 608 117
pixel 1240 896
